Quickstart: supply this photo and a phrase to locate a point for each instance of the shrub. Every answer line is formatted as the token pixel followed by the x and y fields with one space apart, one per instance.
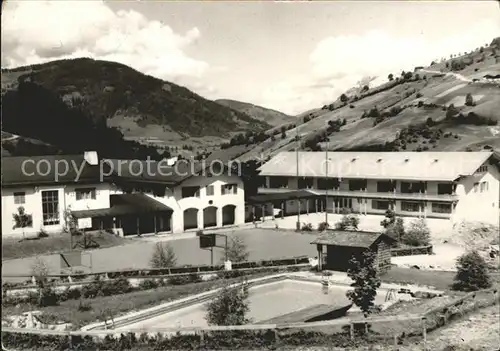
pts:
pixel 307 227
pixel 179 280
pixel 229 307
pixel 418 234
pixel 42 233
pixel 283 135
pixel 469 100
pixel 344 98
pixel 148 284
pixel 472 273
pixel 237 250
pixel 419 95
pixel 163 256
pixel 84 305
pixel 323 226
pixel 396 230
pixel 348 222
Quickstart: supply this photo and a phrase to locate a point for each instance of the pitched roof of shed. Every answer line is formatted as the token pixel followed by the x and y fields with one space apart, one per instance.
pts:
pixel 350 238
pixel 445 166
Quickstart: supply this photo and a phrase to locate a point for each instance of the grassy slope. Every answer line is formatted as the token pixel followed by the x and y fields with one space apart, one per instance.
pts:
pixel 442 90
pixel 272 117
pixel 117 92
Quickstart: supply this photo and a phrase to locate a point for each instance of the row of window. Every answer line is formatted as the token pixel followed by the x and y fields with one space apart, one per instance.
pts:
pixel 194 191
pixel 407 206
pixel 81 194
pixel 362 185
pixel 480 187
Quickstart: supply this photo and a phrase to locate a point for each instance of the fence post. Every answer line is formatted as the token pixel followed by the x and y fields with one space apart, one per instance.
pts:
pixel 395 340
pixel 276 338
pixel 424 332
pixel 202 339
pixel 351 331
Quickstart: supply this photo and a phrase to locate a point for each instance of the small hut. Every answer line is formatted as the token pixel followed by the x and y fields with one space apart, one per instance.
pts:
pixel 342 245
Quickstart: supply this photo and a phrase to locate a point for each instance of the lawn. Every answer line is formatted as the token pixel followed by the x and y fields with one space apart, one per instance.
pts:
pixel 12 248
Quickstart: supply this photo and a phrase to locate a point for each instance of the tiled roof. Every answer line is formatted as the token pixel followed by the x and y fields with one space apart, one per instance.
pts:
pixel 425 166
pixel 22 170
pixel 350 238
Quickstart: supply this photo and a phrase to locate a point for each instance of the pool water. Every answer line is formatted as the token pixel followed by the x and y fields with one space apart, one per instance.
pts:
pixel 266 301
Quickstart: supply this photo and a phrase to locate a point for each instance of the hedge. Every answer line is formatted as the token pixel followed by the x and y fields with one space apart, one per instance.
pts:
pixel 215 340
pixel 410 251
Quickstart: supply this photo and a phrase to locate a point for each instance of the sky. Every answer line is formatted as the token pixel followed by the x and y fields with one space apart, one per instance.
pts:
pixel 290 56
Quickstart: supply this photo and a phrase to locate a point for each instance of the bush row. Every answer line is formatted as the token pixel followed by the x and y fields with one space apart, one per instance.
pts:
pixel 227 340
pixel 423 250
pixel 99 287
pixel 169 271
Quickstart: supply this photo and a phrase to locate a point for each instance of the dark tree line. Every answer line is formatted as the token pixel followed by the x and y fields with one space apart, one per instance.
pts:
pixel 35 112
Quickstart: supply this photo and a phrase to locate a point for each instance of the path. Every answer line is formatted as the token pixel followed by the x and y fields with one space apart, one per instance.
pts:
pixel 449 74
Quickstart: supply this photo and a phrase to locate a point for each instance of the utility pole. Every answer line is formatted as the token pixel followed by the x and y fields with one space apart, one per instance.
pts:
pixel 326 181
pixel 297 160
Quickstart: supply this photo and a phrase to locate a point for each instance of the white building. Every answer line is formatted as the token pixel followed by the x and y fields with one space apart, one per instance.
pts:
pixel 445 187
pixel 126 202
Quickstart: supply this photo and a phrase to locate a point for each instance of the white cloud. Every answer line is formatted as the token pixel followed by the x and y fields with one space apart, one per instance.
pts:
pixel 338 63
pixel 41 31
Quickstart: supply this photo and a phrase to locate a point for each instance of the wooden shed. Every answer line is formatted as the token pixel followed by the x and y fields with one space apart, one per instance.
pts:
pixel 342 245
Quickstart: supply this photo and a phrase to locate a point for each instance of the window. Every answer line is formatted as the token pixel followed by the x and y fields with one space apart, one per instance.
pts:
pixel 410 206
pixel 328 183
pixel 20 198
pixel 441 208
pixel 380 205
pixel 445 189
pixel 210 190
pixel 386 186
pixel 476 187
pixel 305 183
pixel 85 194
pixel 482 169
pixel 50 207
pixel 415 187
pixel 357 184
pixel 484 186
pixel 278 182
pixel 228 189
pixel 190 191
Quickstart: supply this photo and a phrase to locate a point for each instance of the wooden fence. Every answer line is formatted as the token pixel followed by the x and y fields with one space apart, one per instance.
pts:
pixel 410 251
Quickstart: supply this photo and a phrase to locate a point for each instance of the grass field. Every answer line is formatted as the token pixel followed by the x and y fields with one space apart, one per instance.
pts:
pixel 12 248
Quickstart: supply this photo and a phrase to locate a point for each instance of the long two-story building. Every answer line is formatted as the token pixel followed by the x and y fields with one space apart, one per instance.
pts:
pixel 449 186
pixel 113 195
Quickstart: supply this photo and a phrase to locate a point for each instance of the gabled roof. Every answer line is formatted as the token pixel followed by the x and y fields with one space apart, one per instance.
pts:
pixel 124 204
pixel 351 238
pixel 424 166
pixel 22 170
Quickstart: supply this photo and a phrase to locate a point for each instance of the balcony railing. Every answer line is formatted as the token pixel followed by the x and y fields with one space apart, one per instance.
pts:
pixel 370 195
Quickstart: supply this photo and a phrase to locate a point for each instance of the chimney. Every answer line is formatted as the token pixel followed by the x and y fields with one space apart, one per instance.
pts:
pixel 91 158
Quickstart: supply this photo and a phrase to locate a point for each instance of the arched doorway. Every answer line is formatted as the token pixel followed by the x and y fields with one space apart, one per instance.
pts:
pixel 210 217
pixel 228 216
pixel 190 218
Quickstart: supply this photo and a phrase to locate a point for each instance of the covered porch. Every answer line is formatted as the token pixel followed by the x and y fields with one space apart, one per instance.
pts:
pixel 129 214
pixel 284 204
